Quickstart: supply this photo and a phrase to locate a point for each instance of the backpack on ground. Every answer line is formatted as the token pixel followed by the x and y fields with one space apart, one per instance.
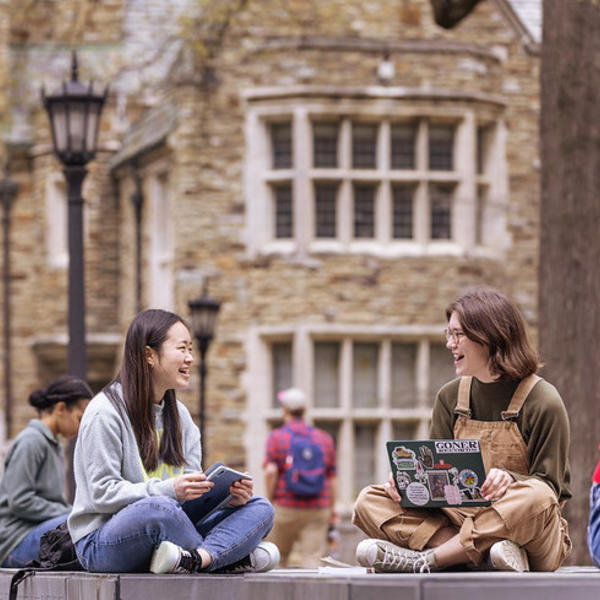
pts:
pixel 304 465
pixel 57 553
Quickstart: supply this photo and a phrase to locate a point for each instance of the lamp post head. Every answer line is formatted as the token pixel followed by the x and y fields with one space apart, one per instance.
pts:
pixel 204 311
pixel 74 112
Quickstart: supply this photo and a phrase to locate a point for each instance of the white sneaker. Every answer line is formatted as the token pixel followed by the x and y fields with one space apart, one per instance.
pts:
pixel 507 556
pixel 170 558
pixel 263 558
pixel 385 557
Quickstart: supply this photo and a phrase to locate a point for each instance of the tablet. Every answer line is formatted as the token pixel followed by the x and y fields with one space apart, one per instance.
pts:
pixel 222 477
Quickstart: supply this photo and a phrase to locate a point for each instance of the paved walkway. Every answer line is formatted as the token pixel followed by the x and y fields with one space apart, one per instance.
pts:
pixel 569 583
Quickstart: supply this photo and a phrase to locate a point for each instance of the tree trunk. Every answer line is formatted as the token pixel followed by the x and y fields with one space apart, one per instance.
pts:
pixel 569 315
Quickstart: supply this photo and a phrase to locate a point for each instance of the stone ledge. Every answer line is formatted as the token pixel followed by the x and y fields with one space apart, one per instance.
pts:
pixel 580 583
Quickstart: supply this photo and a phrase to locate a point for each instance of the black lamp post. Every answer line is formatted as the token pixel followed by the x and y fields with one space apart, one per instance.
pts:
pixel 137 200
pixel 204 316
pixel 8 191
pixel 74 112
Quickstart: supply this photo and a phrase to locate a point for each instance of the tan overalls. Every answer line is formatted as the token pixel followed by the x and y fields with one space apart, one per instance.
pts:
pixel 528 513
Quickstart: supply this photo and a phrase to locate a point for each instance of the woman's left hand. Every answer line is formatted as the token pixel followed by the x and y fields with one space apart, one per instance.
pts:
pixel 496 483
pixel 241 491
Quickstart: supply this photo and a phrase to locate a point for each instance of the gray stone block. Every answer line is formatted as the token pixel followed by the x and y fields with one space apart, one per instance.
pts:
pixel 181 587
pixel 61 586
pixel 406 587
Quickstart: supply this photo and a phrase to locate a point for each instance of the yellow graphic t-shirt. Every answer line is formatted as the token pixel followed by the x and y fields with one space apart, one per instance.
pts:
pixel 163 470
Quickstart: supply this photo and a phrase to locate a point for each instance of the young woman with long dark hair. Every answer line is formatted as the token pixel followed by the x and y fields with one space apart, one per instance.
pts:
pixel 137 460
pixel 523 429
pixel 32 490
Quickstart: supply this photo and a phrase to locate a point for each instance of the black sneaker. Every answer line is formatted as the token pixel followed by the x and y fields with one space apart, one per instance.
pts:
pixel 170 558
pixel 263 558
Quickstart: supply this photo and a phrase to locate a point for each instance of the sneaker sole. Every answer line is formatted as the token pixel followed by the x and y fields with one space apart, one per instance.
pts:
pixel 365 555
pixel 511 560
pixel 160 563
pixel 273 552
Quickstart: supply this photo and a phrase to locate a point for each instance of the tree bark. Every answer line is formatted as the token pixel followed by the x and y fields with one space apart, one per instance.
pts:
pixel 569 272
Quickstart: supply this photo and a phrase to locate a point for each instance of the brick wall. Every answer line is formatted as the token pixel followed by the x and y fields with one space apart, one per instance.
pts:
pixel 269 43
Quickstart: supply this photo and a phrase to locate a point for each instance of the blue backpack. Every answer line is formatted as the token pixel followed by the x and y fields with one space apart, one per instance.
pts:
pixel 304 465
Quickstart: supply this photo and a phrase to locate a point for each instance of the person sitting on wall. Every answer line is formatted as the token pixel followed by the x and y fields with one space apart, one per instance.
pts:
pixel 138 460
pixel 593 532
pixel 32 489
pixel 523 428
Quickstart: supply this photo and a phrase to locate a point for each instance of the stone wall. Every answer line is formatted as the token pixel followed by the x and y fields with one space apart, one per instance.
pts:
pixel 268 43
pixel 338 44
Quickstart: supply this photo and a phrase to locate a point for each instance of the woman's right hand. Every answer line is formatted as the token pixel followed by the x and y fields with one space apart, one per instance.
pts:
pixel 191 485
pixel 390 489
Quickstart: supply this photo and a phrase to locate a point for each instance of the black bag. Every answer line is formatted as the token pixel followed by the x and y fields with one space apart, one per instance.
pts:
pixel 57 553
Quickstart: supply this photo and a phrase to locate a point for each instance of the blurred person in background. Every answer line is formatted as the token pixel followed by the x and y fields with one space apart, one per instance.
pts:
pixel 32 489
pixel 593 533
pixel 300 479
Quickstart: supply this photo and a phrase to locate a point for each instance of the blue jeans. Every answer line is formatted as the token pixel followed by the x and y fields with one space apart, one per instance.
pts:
pixel 28 548
pixel 125 543
pixel 593 533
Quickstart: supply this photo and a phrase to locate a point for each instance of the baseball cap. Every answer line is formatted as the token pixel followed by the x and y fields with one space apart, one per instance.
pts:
pixel 292 398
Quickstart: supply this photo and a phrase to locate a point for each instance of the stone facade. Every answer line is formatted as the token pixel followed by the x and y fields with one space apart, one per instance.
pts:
pixel 214 68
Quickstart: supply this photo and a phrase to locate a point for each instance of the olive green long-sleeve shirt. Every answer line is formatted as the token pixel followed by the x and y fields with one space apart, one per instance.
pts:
pixel 542 422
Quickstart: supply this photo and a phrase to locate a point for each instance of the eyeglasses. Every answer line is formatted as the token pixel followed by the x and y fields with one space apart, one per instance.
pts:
pixel 454 334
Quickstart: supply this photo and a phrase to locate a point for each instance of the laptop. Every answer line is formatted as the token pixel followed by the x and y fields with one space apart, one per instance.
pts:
pixel 437 473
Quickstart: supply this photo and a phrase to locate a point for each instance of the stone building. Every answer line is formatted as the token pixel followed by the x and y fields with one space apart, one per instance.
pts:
pixel 337 171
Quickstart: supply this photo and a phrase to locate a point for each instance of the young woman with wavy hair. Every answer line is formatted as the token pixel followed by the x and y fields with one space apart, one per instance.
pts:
pixel 523 430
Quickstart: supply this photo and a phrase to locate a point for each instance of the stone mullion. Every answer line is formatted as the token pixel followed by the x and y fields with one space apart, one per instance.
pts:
pixel 494 215
pixel 302 192
pixel 344 204
pixel 383 203
pixel 422 373
pixel 465 193
pixel 421 200
pixel 384 391
pixel 347 443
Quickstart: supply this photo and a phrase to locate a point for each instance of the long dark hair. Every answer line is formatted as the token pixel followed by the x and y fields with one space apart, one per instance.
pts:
pixel 148 328
pixel 68 389
pixel 490 318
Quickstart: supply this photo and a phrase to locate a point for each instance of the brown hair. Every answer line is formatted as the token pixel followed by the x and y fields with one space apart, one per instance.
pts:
pixel 490 318
pixel 148 328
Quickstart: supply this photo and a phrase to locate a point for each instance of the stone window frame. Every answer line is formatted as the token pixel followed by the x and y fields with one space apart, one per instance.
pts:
pixel 161 234
pixel 479 179
pixel 263 413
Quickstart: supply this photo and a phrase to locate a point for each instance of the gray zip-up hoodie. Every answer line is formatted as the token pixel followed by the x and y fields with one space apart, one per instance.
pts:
pixel 32 489
pixel 109 473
